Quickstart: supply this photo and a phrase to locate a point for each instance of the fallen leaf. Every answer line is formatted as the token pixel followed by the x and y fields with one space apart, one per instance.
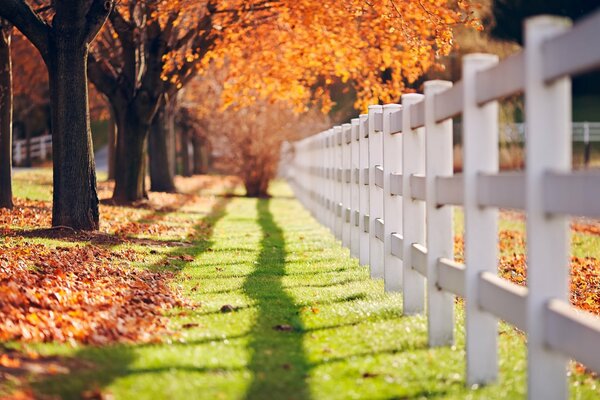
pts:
pixel 283 328
pixel 227 308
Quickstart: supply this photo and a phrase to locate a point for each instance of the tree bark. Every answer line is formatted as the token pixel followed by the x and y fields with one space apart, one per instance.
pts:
pixel 160 146
pixel 256 180
pixel 75 199
pixel 184 136
pixel 200 156
pixel 172 137
pixel 256 188
pixel 6 111
pixel 130 158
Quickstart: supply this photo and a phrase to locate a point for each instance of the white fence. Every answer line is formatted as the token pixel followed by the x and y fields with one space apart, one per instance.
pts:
pixel 583 132
pixel 40 149
pixel 384 185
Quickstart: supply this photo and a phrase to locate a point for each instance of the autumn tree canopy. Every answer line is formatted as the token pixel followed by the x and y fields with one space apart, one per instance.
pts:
pixel 299 47
pixel 279 51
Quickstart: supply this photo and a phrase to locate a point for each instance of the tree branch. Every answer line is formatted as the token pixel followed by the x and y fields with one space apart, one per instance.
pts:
pixel 21 15
pixel 101 76
pixel 96 17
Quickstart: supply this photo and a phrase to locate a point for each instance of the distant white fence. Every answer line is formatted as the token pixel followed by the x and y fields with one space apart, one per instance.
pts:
pixel 40 148
pixel 583 132
pixel 384 185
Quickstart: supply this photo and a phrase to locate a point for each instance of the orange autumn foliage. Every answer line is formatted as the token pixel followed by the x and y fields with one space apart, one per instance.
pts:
pixel 295 50
pixel 288 50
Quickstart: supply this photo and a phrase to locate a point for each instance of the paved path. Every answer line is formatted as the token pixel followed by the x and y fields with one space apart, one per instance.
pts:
pixel 102 160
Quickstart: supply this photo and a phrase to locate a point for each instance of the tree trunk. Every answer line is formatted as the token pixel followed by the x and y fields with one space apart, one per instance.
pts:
pixel 200 162
pixel 162 165
pixel 257 188
pixel 6 110
pixel 112 144
pixel 75 198
pixel 186 169
pixel 256 182
pixel 130 158
pixel 172 137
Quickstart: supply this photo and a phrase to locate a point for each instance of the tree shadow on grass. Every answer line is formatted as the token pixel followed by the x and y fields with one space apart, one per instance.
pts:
pixel 108 363
pixel 279 364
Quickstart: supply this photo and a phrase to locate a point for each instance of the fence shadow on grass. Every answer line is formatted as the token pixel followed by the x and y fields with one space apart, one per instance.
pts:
pixel 279 364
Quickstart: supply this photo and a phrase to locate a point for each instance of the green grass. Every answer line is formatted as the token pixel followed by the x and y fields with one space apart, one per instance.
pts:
pixel 33 184
pixel 277 266
pixel 36 184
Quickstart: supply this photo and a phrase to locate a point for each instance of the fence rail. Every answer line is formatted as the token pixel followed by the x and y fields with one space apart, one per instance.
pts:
pixel 384 185
pixel 40 148
pixel 582 132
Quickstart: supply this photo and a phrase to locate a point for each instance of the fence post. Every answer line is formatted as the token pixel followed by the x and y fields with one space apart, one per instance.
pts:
pixel 363 183
pixel 480 155
pixel 303 174
pixel 305 157
pixel 548 146
pixel 313 177
pixel 301 182
pixel 354 190
pixel 375 192
pixel 413 211
pixel 392 205
pixel 337 137
pixel 293 167
pixel 587 147
pixel 440 238
pixel 18 152
pixel 43 149
pixel 322 178
pixel 346 163
pixel 330 181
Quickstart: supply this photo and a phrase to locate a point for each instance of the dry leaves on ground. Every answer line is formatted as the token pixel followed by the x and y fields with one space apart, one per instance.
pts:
pixel 90 293
pixel 585 271
pixel 79 294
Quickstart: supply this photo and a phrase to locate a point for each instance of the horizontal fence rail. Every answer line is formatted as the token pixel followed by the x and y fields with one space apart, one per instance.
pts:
pixel 384 185
pixel 582 132
pixel 40 147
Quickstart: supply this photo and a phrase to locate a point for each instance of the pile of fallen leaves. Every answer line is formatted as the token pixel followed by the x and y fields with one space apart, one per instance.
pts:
pixel 79 294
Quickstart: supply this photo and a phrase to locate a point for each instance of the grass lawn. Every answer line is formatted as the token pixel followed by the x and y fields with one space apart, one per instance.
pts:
pixel 282 312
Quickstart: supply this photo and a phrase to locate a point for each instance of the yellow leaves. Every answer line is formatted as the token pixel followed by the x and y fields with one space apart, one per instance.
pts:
pixel 33 318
